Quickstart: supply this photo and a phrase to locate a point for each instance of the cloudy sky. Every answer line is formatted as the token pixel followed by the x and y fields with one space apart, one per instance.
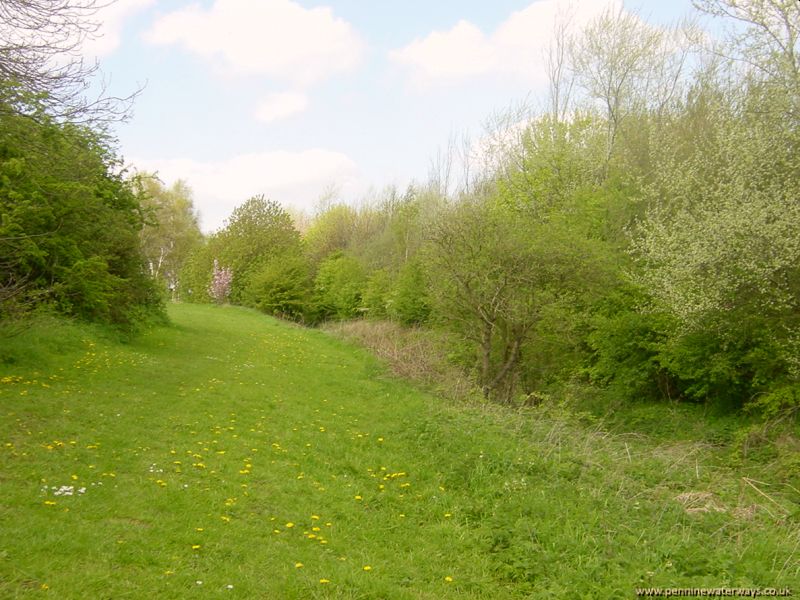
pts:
pixel 293 98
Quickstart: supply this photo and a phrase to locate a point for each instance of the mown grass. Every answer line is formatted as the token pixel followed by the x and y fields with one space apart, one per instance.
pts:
pixel 230 455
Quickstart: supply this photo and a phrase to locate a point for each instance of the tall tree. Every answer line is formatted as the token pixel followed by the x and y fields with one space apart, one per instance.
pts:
pixel 171 232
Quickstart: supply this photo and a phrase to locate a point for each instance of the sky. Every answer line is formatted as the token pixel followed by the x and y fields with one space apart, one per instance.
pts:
pixel 298 99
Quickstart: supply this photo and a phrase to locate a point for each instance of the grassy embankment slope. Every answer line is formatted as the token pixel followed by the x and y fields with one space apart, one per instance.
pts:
pixel 231 455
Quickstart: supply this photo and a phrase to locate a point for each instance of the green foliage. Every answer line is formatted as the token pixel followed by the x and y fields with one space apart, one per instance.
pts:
pixel 626 343
pixel 331 231
pixel 282 287
pixel 409 302
pixel 645 236
pixel 171 232
pixel 339 286
pixel 719 251
pixel 195 274
pixel 69 223
pixel 376 294
pixel 258 231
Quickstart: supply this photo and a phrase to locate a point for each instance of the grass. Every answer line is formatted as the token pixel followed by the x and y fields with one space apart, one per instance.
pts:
pixel 233 456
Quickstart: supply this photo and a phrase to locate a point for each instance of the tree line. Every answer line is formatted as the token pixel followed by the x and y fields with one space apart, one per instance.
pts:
pixel 641 232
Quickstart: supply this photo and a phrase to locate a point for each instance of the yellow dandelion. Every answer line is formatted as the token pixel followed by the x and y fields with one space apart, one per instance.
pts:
pixel 298 565
pixel 448 579
pixel 324 580
pixel 367 568
pixel 358 497
pixel 196 546
pixel 289 525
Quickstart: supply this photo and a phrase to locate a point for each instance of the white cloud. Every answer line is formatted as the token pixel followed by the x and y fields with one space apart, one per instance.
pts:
pixel 112 19
pixel 278 38
pixel 281 106
pixel 460 52
pixel 295 179
pixel 514 49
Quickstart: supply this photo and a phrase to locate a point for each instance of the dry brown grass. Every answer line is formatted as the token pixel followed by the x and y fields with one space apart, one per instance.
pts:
pixel 411 353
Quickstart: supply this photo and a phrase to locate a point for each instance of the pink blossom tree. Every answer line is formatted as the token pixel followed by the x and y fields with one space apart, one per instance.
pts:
pixel 220 286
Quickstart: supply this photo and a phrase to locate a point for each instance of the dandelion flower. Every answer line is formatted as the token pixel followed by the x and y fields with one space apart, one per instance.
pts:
pixel 298 565
pixel 448 579
pixel 289 525
pixel 324 580
pixel 367 568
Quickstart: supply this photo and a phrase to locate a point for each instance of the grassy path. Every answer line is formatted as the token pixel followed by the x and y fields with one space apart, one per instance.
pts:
pixel 233 456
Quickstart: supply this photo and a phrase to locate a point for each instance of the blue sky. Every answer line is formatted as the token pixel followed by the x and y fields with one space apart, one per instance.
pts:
pixel 295 98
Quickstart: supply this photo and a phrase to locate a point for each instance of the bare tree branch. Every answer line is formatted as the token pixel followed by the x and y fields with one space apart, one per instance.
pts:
pixel 40 54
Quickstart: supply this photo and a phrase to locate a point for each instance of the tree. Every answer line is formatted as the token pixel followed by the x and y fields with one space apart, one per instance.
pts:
pixel 40 45
pixel 331 231
pixel 220 287
pixel 493 271
pixel 628 66
pixel 719 250
pixel 764 37
pixel 171 232
pixel 69 223
pixel 339 286
pixel 258 231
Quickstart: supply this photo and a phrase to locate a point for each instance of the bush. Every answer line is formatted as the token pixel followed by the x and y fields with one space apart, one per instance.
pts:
pixel 339 286
pixel 282 288
pixel 376 294
pixel 409 301
pixel 626 345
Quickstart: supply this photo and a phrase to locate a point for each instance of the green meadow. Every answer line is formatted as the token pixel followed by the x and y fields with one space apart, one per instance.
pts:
pixel 231 455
